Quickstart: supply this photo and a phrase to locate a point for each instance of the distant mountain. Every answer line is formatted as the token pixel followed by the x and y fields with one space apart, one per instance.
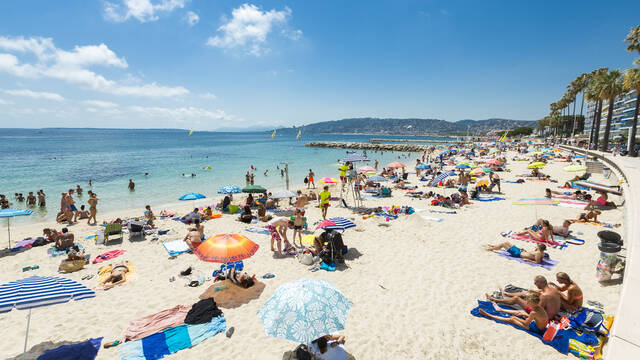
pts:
pixel 410 126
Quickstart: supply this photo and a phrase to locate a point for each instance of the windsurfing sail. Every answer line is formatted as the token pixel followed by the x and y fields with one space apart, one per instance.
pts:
pixel 299 135
pixel 273 134
pixel 190 132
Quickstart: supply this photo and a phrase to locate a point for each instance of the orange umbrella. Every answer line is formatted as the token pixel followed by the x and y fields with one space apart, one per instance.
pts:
pixel 396 165
pixel 224 248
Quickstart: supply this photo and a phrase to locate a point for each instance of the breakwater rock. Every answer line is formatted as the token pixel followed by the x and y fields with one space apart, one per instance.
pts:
pixel 370 146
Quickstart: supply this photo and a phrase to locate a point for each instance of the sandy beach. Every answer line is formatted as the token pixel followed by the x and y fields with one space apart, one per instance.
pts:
pixel 412 281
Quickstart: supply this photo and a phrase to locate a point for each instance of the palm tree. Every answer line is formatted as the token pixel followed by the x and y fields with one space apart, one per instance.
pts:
pixel 578 85
pixel 610 89
pixel 633 41
pixel 632 81
pixel 593 94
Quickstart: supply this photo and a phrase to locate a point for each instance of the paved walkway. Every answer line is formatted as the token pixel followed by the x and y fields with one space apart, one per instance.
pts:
pixel 624 340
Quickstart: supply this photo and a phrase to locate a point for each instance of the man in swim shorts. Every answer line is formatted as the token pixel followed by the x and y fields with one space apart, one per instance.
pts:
pixel 535 256
pixel 550 298
pixel 278 229
pixel 310 178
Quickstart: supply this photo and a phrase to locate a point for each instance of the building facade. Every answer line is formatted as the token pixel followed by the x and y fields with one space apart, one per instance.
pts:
pixel 623 110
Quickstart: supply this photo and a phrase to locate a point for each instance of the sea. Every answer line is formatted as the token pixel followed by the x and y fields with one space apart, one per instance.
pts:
pixel 56 160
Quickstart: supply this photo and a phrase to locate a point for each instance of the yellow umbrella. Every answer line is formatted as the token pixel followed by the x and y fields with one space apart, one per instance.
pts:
pixel 483 182
pixel 537 164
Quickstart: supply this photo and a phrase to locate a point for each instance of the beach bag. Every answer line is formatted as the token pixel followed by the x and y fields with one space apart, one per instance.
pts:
pixel 306 180
pixel 589 321
pixel 306 258
pixel 300 353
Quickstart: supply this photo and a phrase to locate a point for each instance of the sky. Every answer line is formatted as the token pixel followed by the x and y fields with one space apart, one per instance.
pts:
pixel 220 64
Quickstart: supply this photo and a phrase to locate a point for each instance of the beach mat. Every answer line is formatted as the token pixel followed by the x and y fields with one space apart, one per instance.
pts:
pixel 86 350
pixel 53 252
pixel 545 263
pixel 154 323
pixel 492 198
pixel 171 340
pixel 175 247
pixel 258 230
pixel 233 296
pixel 553 244
pixel 560 342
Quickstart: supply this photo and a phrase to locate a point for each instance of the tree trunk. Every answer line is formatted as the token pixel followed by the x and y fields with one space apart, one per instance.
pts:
pixel 573 129
pixel 632 143
pixel 596 133
pixel 581 107
pixel 607 127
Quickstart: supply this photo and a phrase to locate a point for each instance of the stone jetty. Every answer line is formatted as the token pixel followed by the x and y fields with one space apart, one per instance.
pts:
pixel 370 146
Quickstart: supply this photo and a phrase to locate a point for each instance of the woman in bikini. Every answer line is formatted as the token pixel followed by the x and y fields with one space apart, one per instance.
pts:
pixel 543 235
pixel 193 238
pixel 93 208
pixel 573 298
pixel 601 201
pixel 118 276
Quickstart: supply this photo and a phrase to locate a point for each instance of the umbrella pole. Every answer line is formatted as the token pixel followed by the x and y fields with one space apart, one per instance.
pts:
pixel 9 231
pixel 24 353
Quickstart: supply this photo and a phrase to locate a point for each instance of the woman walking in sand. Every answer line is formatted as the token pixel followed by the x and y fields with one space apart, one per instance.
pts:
pixel 93 208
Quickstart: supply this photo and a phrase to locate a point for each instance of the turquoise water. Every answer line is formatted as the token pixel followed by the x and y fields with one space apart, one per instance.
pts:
pixel 111 157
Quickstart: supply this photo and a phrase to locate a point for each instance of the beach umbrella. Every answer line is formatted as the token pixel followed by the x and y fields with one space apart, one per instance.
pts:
pixel 493 162
pixel 444 152
pixel 423 166
pixel 303 310
pixel 328 180
pixel 396 165
pixel 482 182
pixel 493 151
pixel 477 172
pixel 229 189
pixel 366 168
pixel 574 168
pixel 36 291
pixel 191 196
pixel 378 178
pixel 283 194
pixel 224 248
pixel 9 213
pixel 354 158
pixel 339 223
pixel 537 164
pixel 463 166
pixel 441 177
pixel 324 224
pixel 254 189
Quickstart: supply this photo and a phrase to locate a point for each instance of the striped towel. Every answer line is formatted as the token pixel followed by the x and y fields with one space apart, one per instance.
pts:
pixel 171 340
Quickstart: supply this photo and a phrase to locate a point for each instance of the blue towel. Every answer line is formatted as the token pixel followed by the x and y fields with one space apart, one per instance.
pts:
pixel 512 182
pixel 560 342
pixel 86 350
pixel 493 198
pixel 545 263
pixel 155 346
pixel 177 338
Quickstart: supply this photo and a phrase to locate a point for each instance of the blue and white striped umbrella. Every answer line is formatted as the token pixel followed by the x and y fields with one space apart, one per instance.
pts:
pixel 9 213
pixel 36 291
pixel 441 177
pixel 229 189
pixel 303 310
pixel 340 223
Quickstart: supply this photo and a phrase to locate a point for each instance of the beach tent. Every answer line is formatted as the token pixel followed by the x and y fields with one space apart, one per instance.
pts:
pixel 36 291
pixel 303 310
pixel 9 213
pixel 253 189
pixel 283 194
pixel 229 189
pixel 224 248
pixel 191 196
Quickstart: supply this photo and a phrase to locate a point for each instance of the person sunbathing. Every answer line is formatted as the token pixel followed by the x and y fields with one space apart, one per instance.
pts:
pixel 535 320
pixel 591 216
pixel 543 235
pixel 82 213
pixel 64 240
pixel 573 299
pixel 193 238
pixel 535 256
pixel 557 230
pixel 241 279
pixel 117 276
pixel 550 298
pixel 601 201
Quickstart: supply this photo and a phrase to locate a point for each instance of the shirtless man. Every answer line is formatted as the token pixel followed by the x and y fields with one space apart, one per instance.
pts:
pixel 535 256
pixel 278 228
pixel 301 201
pixel 78 190
pixel 72 205
pixel 573 299
pixel 132 185
pixel 550 298
pixel 193 238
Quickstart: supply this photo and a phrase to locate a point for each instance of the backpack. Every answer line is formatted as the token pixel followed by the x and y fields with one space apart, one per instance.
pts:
pixel 306 180
pixel 589 321
pixel 300 353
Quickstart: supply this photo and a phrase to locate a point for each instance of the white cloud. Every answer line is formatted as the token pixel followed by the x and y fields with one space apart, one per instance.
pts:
pixel 182 113
pixel 35 94
pixel 73 66
pixel 192 18
pixel 249 28
pixel 5 102
pixel 208 96
pixel 141 10
pixel 100 104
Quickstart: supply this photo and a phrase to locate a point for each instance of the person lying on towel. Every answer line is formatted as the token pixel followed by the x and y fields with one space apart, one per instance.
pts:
pixel 535 256
pixel 543 235
pixel 535 320
pixel 550 298
pixel 241 279
pixel 118 276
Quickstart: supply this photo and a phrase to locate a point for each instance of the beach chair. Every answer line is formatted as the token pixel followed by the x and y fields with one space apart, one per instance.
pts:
pixel 112 229
pixel 135 229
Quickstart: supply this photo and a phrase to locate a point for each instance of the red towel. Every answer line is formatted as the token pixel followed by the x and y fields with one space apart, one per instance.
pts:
pixel 157 322
pixel 108 255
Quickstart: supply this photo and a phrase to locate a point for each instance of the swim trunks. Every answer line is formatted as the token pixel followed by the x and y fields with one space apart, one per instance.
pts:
pixel 274 233
pixel 534 328
pixel 297 227
pixel 514 251
pixel 73 208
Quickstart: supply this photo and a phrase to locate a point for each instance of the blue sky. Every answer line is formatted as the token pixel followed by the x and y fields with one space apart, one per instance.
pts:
pixel 217 64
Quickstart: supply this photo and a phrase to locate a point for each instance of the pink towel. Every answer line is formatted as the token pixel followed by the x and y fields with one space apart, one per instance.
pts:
pixel 528 238
pixel 108 255
pixel 157 322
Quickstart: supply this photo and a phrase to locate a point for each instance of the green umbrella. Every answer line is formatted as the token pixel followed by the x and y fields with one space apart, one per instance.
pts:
pixel 253 189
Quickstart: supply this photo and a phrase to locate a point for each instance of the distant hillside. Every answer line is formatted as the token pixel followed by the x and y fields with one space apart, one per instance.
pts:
pixel 410 126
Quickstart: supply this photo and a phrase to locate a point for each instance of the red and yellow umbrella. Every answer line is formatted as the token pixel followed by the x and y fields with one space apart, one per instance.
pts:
pixel 224 248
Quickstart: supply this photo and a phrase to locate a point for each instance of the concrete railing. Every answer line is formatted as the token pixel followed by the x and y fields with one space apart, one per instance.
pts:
pixel 624 340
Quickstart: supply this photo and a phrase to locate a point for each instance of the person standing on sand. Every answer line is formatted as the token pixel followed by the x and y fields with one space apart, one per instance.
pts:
pixel 325 195
pixel 93 208
pixel 132 186
pixel 310 178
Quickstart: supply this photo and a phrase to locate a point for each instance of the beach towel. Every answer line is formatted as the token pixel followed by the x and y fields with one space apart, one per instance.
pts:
pixel 258 230
pixel 545 263
pixel 175 247
pixel 430 218
pixel 105 271
pixel 560 342
pixel 443 211
pixel 151 324
pixel 171 340
pixel 24 243
pixel 491 198
pixel 551 242
pixel 53 252
pixel 108 255
pixel 536 202
pixel 86 350
pixel 369 196
pixel 233 296
pixel 512 182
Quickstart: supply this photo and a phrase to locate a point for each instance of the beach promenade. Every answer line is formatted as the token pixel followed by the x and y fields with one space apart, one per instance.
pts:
pixel 624 342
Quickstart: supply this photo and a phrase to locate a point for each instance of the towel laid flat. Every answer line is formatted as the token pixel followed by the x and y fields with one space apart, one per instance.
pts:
pixel 257 230
pixel 553 243
pixel 545 263
pixel 560 342
pixel 157 322
pixel 53 252
pixel 492 198
pixel 105 271
pixel 86 350
pixel 175 247
pixel 25 243
pixel 108 255
pixel 171 340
